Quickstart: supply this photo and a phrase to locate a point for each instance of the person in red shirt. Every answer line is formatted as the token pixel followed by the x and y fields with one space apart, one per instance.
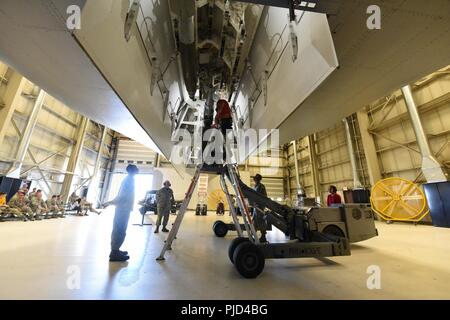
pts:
pixel 223 117
pixel 223 121
pixel 333 197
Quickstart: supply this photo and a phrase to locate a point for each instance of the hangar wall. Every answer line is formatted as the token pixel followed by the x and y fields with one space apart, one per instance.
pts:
pixel 394 136
pixel 53 139
pixel 383 141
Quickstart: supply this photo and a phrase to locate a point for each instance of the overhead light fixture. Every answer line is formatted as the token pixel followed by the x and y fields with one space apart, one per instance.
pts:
pixel 307 4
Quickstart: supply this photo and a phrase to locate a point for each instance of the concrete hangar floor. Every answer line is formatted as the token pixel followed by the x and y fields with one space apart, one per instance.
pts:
pixel 42 260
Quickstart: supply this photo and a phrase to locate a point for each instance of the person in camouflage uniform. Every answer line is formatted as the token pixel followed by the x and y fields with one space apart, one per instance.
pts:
pixel 48 202
pixel 87 206
pixel 258 211
pixel 18 206
pixel 53 207
pixel 38 205
pixel 31 194
pixel 164 203
pixel 60 204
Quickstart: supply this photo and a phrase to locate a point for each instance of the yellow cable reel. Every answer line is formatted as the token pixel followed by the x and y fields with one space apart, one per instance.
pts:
pixel 397 199
pixel 215 197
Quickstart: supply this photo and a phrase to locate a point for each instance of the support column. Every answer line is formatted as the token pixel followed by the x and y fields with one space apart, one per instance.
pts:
pixel 314 166
pixel 74 159
pixel 93 184
pixel 301 194
pixel 370 151
pixel 12 94
pixel 112 167
pixel 432 169
pixel 351 154
pixel 287 174
pixel 157 160
pixel 25 139
pixel 297 174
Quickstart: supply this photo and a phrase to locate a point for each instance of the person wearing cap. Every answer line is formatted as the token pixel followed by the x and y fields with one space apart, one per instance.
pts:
pixel 124 203
pixel 164 202
pixel 19 206
pixel 258 212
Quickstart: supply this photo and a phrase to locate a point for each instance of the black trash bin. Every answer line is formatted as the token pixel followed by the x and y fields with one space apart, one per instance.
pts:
pixel 438 198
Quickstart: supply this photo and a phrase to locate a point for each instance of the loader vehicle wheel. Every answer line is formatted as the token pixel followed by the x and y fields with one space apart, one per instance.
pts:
pixel 220 229
pixel 334 230
pixel 234 244
pixel 248 260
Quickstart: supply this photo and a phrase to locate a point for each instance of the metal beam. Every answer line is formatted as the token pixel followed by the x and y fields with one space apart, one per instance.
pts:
pixel 351 154
pixel 24 143
pixel 30 154
pixel 287 172
pixel 93 184
pixel 397 145
pixel 400 144
pixel 44 160
pixel 112 167
pixel 424 108
pixel 338 146
pixel 297 175
pixel 40 148
pixel 74 158
pixel 11 96
pixel 314 166
pixel 431 167
pixel 43 127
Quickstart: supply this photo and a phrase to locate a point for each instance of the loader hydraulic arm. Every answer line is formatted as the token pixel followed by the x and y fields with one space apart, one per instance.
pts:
pixel 281 216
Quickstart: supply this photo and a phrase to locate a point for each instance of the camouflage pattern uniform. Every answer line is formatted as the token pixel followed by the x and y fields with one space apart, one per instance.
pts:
pixel 164 202
pixel 54 208
pixel 61 206
pixel 4 211
pixel 38 206
pixel 258 216
pixel 19 207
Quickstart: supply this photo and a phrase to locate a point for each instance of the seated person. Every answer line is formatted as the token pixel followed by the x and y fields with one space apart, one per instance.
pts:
pixel 76 206
pixel 32 193
pixel 48 203
pixel 85 205
pixel 52 205
pixel 220 210
pixel 60 204
pixel 18 206
pixel 38 205
pixel 333 198
pixel 73 198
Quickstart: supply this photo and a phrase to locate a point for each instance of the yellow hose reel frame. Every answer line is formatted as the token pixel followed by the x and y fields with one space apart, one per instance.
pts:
pixel 397 199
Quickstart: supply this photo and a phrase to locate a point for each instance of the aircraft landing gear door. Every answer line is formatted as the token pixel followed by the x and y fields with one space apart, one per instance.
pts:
pixel 291 56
